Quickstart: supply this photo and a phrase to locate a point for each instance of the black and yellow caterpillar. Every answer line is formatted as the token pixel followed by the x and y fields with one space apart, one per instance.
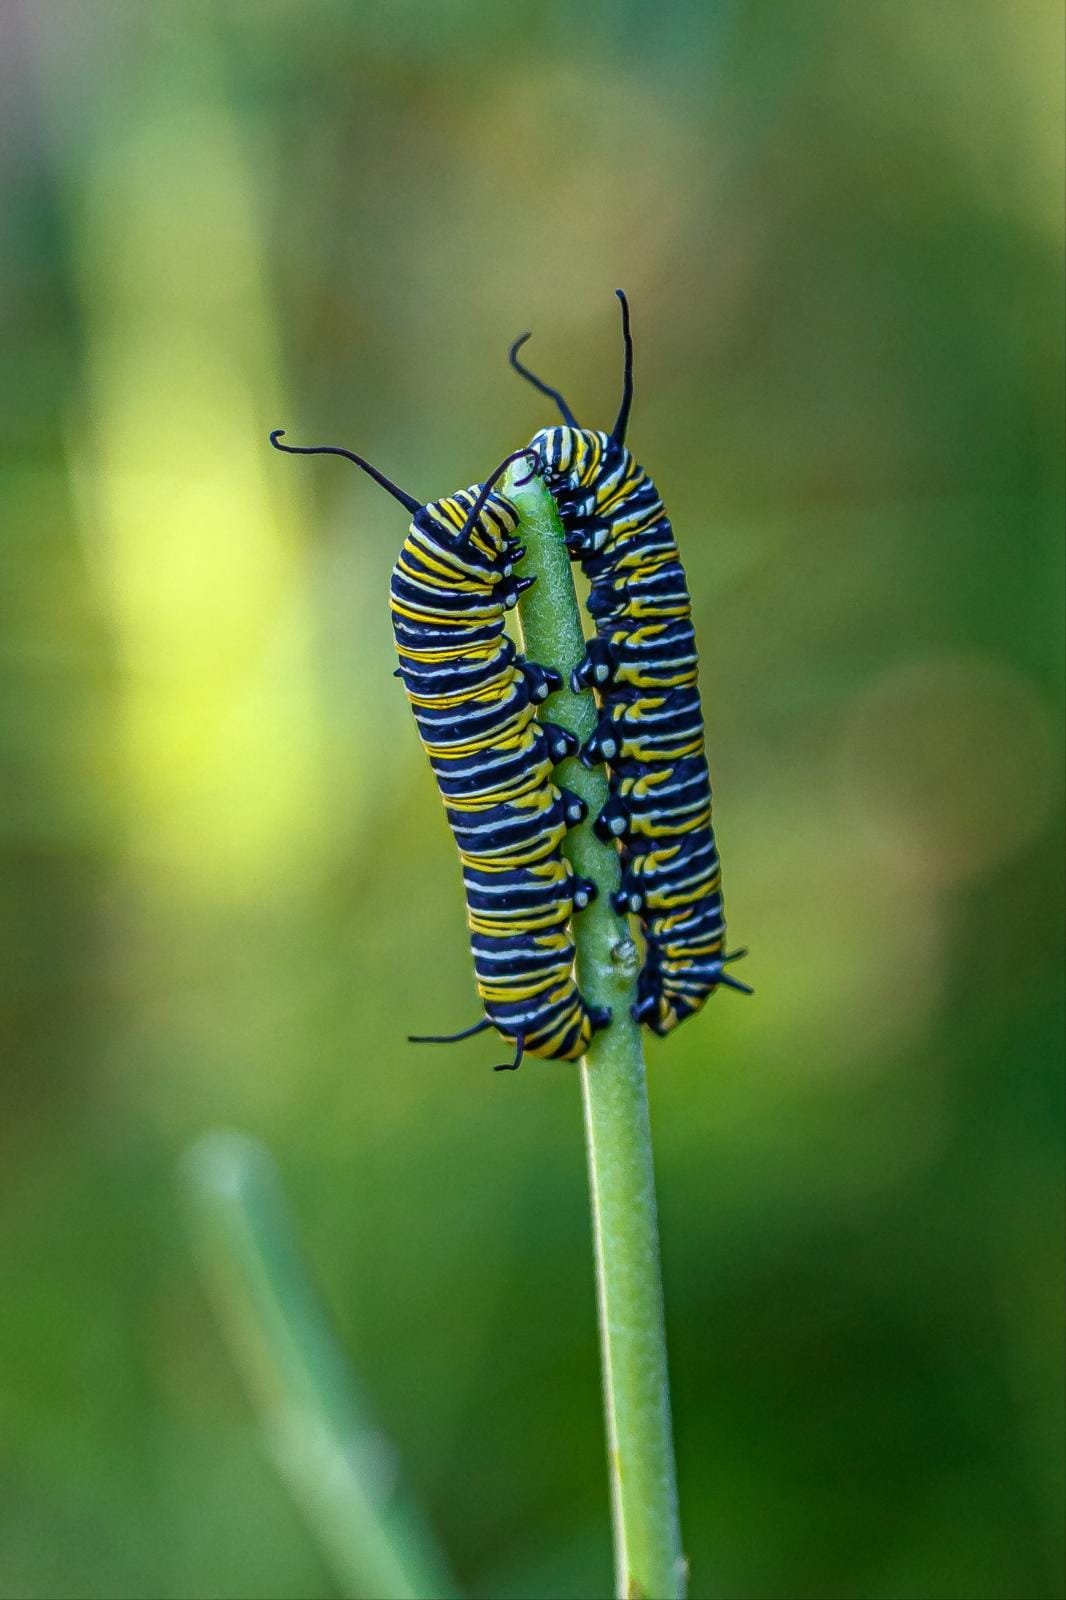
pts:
pixel 642 665
pixel 474 700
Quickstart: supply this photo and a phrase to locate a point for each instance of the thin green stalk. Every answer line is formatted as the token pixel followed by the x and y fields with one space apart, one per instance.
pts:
pixel 338 1467
pixel 640 1449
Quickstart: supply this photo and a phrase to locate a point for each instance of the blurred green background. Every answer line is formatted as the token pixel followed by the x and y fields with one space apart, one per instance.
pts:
pixel 228 887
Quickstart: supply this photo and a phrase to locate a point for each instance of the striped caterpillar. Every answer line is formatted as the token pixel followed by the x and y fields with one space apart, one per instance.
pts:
pixel 474 699
pixel 642 666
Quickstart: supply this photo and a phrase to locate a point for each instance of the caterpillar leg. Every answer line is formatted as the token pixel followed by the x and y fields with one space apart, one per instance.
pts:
pixel 582 892
pixel 651 1007
pixel 542 681
pixel 628 898
pixel 585 534
pixel 604 744
pixel 613 820
pixel 574 808
pixel 595 668
pixel 599 1016
pixel 647 1010
pixel 510 599
pixel 561 742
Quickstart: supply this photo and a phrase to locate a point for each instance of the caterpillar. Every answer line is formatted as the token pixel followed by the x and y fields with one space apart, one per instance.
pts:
pixel 474 698
pixel 642 665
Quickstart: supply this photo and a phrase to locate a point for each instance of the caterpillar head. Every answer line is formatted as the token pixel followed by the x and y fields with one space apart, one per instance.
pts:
pixel 575 458
pixel 472 521
pixel 477 526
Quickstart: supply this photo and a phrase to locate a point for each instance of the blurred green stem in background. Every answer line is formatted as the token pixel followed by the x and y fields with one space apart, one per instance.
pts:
pixel 640 1447
pixel 341 1471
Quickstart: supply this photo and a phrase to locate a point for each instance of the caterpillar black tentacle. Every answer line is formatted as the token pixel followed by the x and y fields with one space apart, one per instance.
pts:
pixel 583 892
pixel 449 1038
pixel 408 501
pixel 530 377
pixel 519 1052
pixel 642 667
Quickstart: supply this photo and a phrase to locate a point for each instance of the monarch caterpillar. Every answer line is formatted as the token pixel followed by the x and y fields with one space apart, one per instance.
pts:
pixel 474 700
pixel 642 666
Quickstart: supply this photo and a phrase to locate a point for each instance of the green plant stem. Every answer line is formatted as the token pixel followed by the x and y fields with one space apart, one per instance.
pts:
pixel 640 1449
pixel 340 1470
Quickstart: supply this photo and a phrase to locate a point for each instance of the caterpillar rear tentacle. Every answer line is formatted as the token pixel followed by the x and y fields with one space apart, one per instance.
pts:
pixel 449 1038
pixel 519 1052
